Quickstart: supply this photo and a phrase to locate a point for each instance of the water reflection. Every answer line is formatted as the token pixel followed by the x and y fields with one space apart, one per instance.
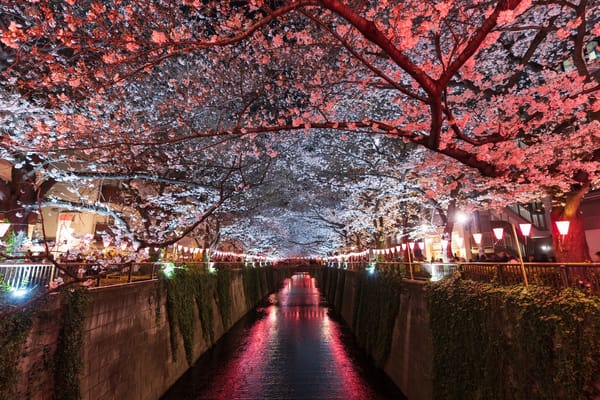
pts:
pixel 292 350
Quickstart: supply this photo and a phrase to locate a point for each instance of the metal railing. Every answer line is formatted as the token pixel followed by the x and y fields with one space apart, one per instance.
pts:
pixel 26 276
pixel 17 276
pixel 585 276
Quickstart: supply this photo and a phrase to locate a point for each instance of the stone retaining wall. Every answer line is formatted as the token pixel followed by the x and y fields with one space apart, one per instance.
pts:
pixel 126 352
pixel 410 360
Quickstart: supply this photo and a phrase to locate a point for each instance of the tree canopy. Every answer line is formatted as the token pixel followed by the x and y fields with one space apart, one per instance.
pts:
pixel 309 118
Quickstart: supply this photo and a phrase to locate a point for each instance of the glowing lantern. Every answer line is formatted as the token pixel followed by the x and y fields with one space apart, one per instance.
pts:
pixel 525 229
pixel 477 237
pixel 563 227
pixel 498 233
pixel 4 228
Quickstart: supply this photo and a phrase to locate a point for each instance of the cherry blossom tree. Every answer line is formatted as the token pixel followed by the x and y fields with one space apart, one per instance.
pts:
pixel 501 87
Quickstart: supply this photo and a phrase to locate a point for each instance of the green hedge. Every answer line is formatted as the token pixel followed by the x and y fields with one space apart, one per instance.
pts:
pixel 510 343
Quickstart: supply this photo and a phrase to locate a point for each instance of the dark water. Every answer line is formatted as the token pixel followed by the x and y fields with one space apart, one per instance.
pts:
pixel 293 348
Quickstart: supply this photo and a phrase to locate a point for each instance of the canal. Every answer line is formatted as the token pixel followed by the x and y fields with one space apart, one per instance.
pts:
pixel 293 347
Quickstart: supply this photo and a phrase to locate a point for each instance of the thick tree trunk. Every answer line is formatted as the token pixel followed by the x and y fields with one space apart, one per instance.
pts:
pixel 450 214
pixel 573 246
pixel 18 200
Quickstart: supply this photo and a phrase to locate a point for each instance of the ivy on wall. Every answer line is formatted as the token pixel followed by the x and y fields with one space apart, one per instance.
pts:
pixel 376 305
pixel 252 285
pixel 13 332
pixel 224 279
pixel 181 293
pixel 189 286
pixel 509 343
pixel 68 356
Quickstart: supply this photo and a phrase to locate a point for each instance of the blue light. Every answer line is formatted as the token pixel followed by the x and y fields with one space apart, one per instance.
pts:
pixel 19 293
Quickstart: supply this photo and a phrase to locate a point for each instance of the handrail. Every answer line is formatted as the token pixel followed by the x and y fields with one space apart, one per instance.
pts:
pixel 584 275
pixel 23 275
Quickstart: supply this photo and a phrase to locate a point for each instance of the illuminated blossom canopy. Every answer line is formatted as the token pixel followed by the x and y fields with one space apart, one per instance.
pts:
pixel 295 123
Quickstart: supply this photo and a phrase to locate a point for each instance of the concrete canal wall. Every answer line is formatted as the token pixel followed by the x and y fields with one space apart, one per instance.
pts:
pixel 127 350
pixel 410 359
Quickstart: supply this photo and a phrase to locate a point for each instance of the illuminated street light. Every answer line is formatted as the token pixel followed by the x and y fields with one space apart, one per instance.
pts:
pixel 461 217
